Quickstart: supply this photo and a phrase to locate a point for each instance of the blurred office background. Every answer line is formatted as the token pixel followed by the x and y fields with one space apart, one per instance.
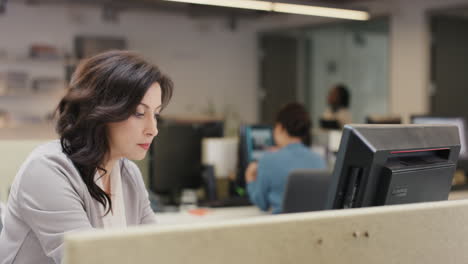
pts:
pixel 235 66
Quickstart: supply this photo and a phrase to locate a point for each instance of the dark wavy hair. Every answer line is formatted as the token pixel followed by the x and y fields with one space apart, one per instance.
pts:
pixel 296 120
pixel 344 96
pixel 103 89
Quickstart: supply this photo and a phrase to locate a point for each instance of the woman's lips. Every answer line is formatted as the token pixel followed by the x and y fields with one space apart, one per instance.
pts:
pixel 144 146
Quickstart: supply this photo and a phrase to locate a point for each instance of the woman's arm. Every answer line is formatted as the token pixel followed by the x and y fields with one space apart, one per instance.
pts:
pixel 50 205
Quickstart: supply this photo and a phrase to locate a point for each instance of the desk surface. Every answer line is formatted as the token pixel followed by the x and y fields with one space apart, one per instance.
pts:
pixel 458 195
pixel 208 215
pixel 220 214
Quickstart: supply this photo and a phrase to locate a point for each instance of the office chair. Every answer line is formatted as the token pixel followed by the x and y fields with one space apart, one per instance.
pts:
pixel 306 190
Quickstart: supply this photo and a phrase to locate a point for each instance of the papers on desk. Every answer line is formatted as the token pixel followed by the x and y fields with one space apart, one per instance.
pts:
pixel 221 153
pixel 199 211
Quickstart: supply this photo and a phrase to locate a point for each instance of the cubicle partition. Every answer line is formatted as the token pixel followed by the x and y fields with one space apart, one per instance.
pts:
pixel 414 233
pixel 15 145
pixel 12 154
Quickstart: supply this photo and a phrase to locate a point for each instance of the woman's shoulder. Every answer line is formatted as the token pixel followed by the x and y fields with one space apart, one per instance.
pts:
pixel 50 153
pixel 272 157
pixel 301 150
pixel 50 156
pixel 49 167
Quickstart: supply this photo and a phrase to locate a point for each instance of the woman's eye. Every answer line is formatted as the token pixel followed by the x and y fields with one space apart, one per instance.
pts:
pixel 137 114
pixel 157 116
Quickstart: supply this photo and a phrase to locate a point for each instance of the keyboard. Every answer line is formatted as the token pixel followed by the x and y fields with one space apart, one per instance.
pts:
pixel 228 202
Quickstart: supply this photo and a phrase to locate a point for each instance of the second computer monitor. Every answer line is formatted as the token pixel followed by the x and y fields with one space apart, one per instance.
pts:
pixel 393 164
pixel 254 141
pixel 176 162
pixel 259 139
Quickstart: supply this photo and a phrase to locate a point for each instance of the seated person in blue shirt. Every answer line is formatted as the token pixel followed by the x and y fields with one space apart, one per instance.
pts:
pixel 266 179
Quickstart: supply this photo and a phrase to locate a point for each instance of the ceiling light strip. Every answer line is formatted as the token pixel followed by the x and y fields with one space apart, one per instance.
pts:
pixel 320 11
pixel 245 4
pixel 283 8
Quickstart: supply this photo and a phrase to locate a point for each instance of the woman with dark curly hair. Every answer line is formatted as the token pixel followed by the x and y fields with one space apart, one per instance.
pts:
pixel 339 99
pixel 266 179
pixel 85 180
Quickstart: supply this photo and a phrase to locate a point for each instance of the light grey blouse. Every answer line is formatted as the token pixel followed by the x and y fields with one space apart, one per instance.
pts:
pixel 49 198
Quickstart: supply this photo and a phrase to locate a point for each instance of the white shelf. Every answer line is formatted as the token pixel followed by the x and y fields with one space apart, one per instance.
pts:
pixel 29 96
pixel 33 61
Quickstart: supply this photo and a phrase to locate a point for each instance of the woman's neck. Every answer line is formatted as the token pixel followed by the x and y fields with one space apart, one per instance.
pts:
pixel 335 108
pixel 109 165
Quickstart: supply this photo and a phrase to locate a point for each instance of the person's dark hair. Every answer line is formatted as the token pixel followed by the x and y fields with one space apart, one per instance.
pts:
pixel 344 95
pixel 105 88
pixel 296 120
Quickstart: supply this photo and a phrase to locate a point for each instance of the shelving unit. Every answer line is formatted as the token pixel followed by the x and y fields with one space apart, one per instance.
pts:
pixel 30 88
pixel 33 69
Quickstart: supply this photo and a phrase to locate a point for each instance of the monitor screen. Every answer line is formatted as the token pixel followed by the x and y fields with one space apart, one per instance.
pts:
pixel 457 121
pixel 254 141
pixel 393 164
pixel 259 139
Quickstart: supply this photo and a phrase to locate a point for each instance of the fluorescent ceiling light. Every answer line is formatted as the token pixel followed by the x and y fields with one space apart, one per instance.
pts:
pixel 283 8
pixel 245 4
pixel 320 11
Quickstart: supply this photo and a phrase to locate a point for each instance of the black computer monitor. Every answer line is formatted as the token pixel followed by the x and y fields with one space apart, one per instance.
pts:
pixel 176 162
pixel 254 141
pixel 393 164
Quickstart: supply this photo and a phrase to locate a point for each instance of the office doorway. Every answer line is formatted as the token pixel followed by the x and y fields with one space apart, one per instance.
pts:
pixel 449 63
pixel 278 73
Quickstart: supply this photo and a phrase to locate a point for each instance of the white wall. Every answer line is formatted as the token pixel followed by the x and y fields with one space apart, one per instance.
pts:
pixel 363 67
pixel 209 62
pixel 206 60
pixel 409 49
pixel 410 54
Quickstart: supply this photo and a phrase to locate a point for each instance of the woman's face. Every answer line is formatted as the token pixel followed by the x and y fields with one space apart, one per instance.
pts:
pixel 131 138
pixel 333 96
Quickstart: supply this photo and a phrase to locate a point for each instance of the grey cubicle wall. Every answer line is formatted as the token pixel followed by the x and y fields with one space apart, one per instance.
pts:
pixel 416 233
